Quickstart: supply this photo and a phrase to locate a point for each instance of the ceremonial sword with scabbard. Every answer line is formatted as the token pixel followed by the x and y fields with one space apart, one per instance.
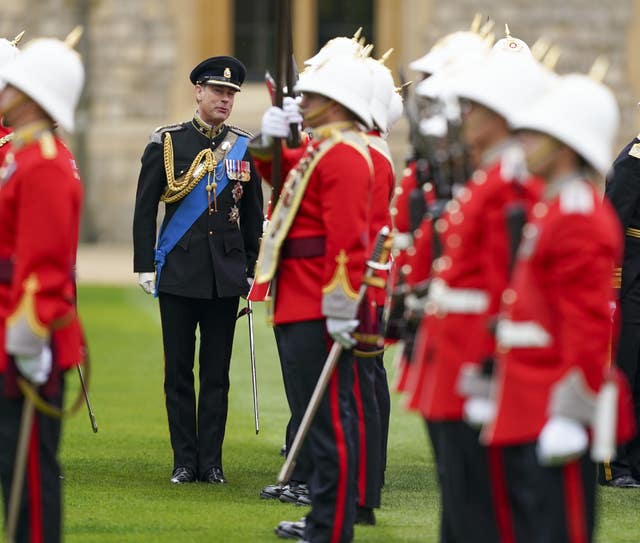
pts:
pixel 378 261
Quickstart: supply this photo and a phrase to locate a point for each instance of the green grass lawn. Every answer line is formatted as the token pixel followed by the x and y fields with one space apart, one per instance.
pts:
pixel 117 481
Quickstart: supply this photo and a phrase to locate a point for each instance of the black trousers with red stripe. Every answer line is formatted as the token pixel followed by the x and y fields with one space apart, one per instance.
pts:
pixel 330 440
pixel 467 501
pixel 40 519
pixel 302 470
pixel 369 431
pixel 549 504
pixel 383 400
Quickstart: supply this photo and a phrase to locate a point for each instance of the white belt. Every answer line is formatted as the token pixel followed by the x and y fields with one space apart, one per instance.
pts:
pixel 522 334
pixel 457 300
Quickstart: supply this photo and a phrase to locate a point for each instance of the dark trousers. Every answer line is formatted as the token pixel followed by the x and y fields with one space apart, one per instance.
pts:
pixel 302 470
pixel 549 504
pixel 369 433
pixel 197 441
pixel 627 460
pixel 467 503
pixel 330 440
pixel 40 516
pixel 383 400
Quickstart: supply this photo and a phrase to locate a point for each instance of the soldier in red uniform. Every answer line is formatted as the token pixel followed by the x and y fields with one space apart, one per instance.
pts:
pixel 467 280
pixel 40 201
pixel 317 241
pixel 555 322
pixel 8 52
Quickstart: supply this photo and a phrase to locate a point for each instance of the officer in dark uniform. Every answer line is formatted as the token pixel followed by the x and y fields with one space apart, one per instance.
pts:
pixel 623 190
pixel 203 259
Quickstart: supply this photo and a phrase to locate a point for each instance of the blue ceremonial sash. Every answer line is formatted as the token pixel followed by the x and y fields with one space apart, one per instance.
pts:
pixel 192 206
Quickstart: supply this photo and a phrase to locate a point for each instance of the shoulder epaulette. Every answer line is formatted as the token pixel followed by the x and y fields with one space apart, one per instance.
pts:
pixel 156 136
pixel 635 150
pixel 576 197
pixel 240 131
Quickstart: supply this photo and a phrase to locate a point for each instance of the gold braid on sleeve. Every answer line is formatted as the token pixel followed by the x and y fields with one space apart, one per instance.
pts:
pixel 178 188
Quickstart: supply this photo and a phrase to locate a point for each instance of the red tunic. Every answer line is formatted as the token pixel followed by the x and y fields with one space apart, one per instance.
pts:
pixel 380 198
pixel 335 207
pixel 468 280
pixel 555 314
pixel 5 142
pixel 40 202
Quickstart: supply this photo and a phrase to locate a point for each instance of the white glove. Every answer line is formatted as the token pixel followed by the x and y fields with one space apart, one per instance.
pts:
pixel 35 368
pixel 478 411
pixel 275 123
pixel 291 107
pixel 147 280
pixel 561 441
pixel 340 330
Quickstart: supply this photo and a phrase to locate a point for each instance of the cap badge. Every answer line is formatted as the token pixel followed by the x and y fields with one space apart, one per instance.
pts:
pixel 227 73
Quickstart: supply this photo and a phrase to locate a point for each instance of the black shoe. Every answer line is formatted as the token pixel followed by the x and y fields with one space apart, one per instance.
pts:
pixel 294 492
pixel 272 492
pixel 304 499
pixel 365 515
pixel 623 481
pixel 183 475
pixel 291 530
pixel 214 476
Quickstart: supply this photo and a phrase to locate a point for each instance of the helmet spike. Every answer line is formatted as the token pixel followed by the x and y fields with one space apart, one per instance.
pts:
pixel 486 28
pixel 490 39
pixel 73 37
pixel 401 88
pixel 540 48
pixel 507 33
pixel 366 51
pixel 17 39
pixel 475 23
pixel 357 34
pixel 550 60
pixel 385 57
pixel 599 69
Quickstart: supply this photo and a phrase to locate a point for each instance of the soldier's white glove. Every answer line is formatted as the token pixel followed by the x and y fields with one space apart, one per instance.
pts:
pixel 340 331
pixel 35 368
pixel 147 280
pixel 291 108
pixel 561 441
pixel 275 123
pixel 478 411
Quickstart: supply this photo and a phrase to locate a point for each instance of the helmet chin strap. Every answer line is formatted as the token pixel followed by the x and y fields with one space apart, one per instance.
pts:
pixel 311 115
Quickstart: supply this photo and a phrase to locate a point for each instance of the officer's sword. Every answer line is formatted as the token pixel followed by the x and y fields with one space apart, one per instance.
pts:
pixel 20 465
pixel 248 311
pixel 85 392
pixel 377 262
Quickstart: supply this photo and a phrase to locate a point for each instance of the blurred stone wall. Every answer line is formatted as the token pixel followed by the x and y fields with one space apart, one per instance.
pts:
pixel 138 54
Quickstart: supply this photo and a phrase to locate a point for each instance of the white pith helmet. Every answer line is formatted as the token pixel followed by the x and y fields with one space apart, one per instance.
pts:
pixel 9 50
pixel 446 49
pixel 49 72
pixel 467 55
pixel 336 47
pixel 383 90
pixel 581 113
pixel 506 82
pixel 396 109
pixel 346 80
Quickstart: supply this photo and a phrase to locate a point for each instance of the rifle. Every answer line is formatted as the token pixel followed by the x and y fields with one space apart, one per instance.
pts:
pixel 285 73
